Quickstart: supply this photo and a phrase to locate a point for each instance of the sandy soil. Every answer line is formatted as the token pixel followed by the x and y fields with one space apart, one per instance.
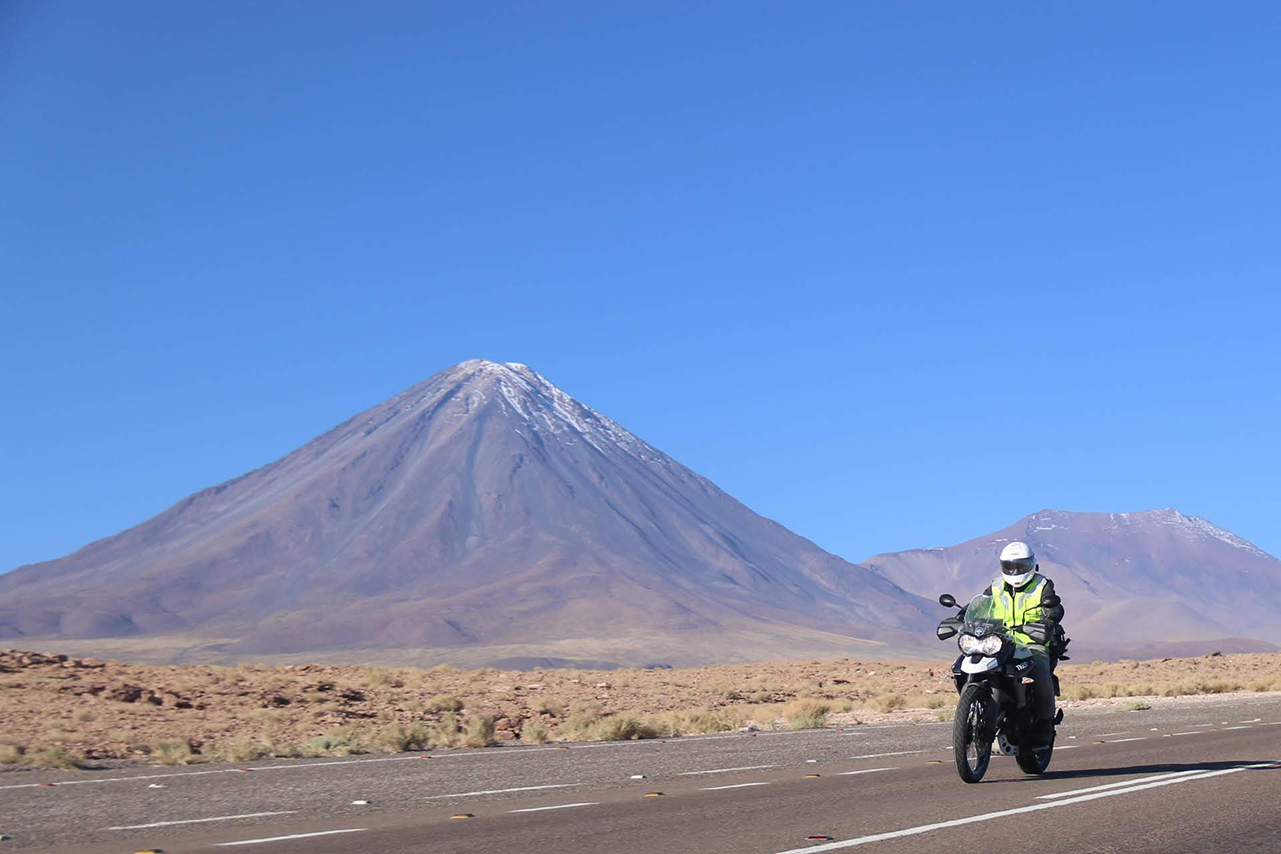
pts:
pixel 67 707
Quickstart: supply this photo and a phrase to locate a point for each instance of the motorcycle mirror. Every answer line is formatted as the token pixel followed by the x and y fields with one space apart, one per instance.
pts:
pixel 1051 601
pixel 947 600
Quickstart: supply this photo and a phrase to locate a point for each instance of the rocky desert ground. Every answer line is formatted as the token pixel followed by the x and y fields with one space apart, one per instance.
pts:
pixel 58 711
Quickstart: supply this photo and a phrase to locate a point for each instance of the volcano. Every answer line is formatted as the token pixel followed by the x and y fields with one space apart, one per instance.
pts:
pixel 1134 585
pixel 483 516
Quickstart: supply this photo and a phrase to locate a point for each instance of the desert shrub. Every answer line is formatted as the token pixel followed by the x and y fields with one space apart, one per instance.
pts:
pixel 337 742
pixel 926 701
pixel 946 713
pixel 888 702
pixel 1200 686
pixel 173 751
pixel 583 717
pixel 54 758
pixel 398 738
pixel 479 732
pixel 533 732
pixel 446 731
pixel 1115 689
pixel 701 721
pixel 381 677
pixel 807 713
pixel 1136 706
pixel 620 728
pixel 548 706
pixel 444 703
pixel 1079 692
pixel 81 716
pixel 10 754
pixel 243 749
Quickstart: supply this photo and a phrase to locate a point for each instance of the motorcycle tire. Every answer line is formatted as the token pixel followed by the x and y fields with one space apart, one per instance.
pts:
pixel 971 751
pixel 1035 761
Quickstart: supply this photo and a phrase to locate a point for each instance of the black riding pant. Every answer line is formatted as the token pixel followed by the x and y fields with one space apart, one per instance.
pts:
pixel 1042 682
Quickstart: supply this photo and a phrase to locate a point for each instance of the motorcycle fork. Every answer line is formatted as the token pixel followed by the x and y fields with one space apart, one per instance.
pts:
pixel 992 708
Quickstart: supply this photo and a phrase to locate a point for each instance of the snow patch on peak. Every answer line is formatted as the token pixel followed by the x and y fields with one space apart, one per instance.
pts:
pixel 550 411
pixel 1196 526
pixel 1188 527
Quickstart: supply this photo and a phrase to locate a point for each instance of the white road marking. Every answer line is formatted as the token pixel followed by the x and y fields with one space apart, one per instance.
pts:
pixel 973 819
pixel 1235 727
pixel 199 820
pixel 734 786
pixel 864 771
pixel 726 770
pixel 492 754
pixel 1192 732
pixel 1123 740
pixel 1200 724
pixel 1254 721
pixel 895 753
pixel 1106 734
pixel 1121 785
pixel 1068 747
pixel 558 807
pixel 290 836
pixel 503 791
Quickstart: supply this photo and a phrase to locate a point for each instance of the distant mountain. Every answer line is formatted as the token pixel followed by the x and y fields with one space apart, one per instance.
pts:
pixel 1133 584
pixel 483 515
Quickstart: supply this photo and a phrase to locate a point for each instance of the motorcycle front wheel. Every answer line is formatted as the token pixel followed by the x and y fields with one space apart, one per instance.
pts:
pixel 1035 761
pixel 971 749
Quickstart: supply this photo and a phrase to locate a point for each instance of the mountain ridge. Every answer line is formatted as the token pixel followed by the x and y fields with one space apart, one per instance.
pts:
pixel 485 515
pixel 1155 578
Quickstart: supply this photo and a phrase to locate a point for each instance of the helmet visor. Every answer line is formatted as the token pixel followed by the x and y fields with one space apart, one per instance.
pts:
pixel 1017 567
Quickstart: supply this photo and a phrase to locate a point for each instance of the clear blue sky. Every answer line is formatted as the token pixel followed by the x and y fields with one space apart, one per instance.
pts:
pixel 892 274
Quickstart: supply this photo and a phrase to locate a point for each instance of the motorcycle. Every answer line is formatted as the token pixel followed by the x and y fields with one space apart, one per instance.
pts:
pixel 992 677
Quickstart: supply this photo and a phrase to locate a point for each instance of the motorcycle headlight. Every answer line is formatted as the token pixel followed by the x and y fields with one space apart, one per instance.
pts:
pixel 970 645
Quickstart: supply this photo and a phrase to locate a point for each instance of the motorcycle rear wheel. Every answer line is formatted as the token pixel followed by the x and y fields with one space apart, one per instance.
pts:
pixel 971 750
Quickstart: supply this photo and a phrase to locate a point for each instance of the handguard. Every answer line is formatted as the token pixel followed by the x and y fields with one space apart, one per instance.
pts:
pixel 1038 632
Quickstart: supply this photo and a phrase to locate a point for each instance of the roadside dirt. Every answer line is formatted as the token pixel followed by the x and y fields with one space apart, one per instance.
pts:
pixel 65 707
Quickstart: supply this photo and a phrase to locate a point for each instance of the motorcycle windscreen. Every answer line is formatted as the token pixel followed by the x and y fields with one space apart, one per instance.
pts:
pixel 982 613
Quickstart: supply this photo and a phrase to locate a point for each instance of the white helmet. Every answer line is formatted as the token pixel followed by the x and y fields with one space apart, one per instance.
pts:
pixel 1018 564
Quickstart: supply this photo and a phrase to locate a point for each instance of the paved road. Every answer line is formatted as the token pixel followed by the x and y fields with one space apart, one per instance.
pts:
pixel 1190 778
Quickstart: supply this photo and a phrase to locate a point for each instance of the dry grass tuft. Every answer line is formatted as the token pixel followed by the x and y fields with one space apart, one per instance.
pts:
pixel 399 738
pixel 173 751
pixel 807 713
pixel 243 749
pixel 444 703
pixel 479 732
pixel 55 758
pixel 888 702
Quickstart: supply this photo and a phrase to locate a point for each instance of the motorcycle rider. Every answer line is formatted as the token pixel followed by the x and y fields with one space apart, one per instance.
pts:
pixel 1018 592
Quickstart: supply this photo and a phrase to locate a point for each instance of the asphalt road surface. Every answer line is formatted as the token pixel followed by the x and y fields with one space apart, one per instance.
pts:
pixel 1201 777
